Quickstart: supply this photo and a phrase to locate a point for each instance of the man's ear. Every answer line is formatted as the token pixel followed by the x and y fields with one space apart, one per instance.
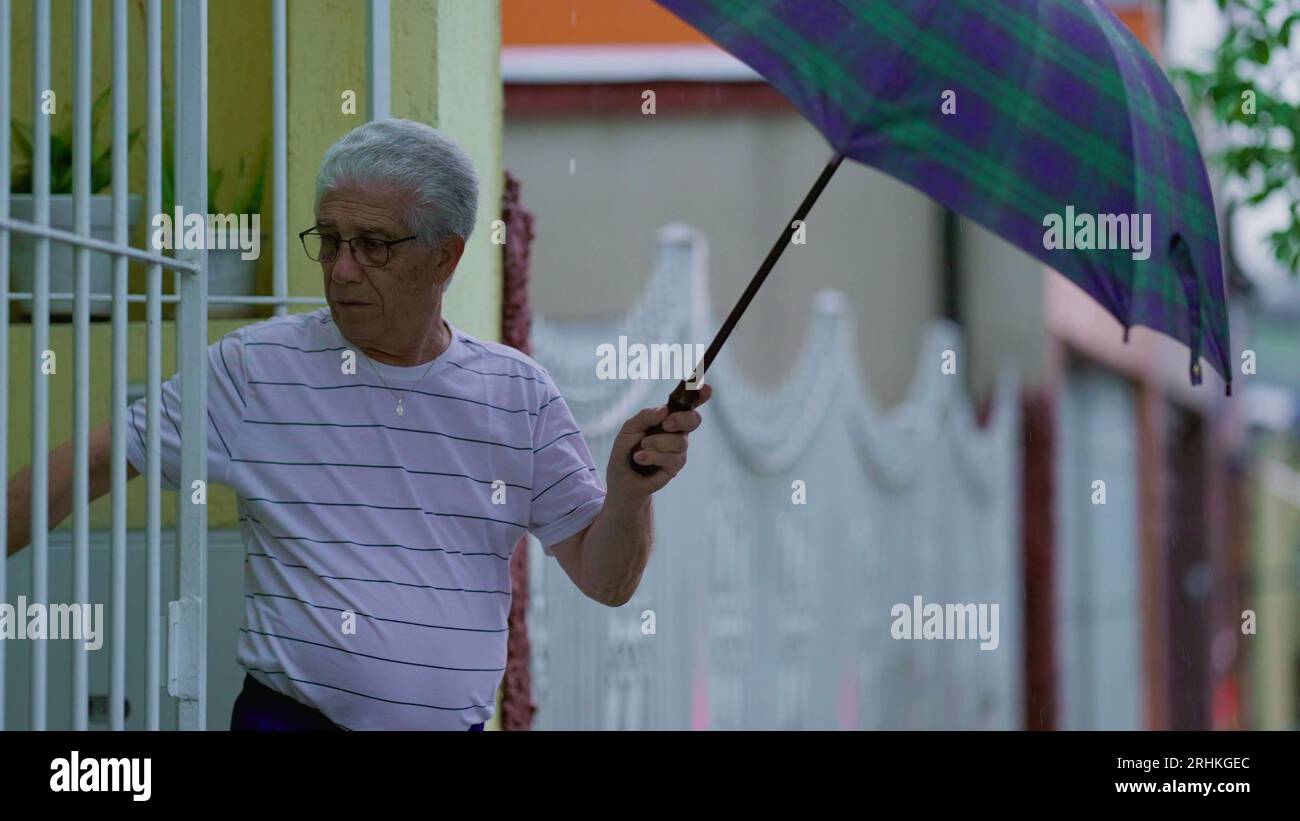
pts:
pixel 449 255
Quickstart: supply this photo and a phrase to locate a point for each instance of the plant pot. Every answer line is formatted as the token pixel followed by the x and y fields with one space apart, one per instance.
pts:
pixel 62 257
pixel 229 275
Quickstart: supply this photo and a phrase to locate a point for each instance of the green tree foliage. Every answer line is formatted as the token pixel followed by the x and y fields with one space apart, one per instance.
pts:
pixel 1244 91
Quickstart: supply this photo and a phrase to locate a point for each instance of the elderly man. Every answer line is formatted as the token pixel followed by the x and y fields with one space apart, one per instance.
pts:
pixel 387 463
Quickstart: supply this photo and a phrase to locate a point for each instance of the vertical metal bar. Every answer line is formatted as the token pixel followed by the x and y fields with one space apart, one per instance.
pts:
pixel 378 49
pixel 153 378
pixel 40 344
pixel 121 93
pixel 81 355
pixel 190 654
pixel 5 57
pixel 279 159
pixel 179 172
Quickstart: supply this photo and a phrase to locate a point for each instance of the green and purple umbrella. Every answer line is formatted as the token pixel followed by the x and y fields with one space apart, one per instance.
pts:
pixel 1046 121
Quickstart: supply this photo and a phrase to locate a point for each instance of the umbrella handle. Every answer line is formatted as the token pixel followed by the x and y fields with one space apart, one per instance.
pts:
pixel 681 399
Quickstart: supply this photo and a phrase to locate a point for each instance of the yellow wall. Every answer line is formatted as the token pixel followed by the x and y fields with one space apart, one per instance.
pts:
pixel 469 109
pixel 445 72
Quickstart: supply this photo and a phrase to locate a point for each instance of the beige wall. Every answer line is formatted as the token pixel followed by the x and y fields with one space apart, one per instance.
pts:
pixel 737 178
pixel 1003 309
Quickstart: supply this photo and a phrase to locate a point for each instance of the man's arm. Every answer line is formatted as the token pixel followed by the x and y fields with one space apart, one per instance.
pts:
pixel 60 486
pixel 610 576
pixel 607 559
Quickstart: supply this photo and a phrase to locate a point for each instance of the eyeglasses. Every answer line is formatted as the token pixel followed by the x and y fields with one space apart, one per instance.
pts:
pixel 369 252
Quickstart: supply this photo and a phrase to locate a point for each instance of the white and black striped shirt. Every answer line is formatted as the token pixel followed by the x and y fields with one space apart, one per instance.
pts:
pixel 377 575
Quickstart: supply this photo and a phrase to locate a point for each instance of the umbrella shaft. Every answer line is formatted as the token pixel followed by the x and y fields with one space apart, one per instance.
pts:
pixel 768 264
pixel 683 398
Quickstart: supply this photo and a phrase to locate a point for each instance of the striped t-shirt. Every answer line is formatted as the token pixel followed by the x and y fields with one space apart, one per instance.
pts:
pixel 377 568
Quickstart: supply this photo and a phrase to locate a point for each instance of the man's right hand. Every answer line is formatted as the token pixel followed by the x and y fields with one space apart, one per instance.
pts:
pixel 100 478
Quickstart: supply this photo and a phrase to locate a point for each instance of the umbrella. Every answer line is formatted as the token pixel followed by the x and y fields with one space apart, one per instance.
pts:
pixel 1046 121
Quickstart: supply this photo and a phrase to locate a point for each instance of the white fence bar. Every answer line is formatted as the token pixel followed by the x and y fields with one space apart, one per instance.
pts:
pixel 279 159
pixel 70 238
pixel 153 377
pixel 378 48
pixel 121 93
pixel 5 60
pixel 19 296
pixel 81 355
pixel 187 654
pixel 40 343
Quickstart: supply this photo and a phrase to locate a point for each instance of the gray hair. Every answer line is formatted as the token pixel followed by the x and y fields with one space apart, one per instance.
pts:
pixel 412 157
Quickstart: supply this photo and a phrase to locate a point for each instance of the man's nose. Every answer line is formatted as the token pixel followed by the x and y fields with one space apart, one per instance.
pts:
pixel 346 268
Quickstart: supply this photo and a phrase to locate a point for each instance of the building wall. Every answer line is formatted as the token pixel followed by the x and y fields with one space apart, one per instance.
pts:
pixel 599 187
pixel 600 184
pixel 1003 293
pixel 1274 649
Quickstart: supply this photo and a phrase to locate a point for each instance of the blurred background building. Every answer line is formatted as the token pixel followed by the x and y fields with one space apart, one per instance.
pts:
pixel 619 120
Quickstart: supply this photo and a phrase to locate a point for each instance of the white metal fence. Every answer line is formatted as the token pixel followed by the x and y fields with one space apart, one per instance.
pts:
pixel 768 613
pixel 186 678
pixel 185 648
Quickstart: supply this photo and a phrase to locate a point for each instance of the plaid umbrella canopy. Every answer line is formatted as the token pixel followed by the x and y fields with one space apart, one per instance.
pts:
pixel 1046 121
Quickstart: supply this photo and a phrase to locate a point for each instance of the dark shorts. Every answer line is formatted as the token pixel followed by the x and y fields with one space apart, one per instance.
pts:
pixel 261 708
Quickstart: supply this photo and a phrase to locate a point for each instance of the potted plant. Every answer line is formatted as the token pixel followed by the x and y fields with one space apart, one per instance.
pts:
pixel 229 274
pixel 22 207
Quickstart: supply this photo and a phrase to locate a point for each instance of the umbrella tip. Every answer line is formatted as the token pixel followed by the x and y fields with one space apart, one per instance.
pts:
pixel 1126 329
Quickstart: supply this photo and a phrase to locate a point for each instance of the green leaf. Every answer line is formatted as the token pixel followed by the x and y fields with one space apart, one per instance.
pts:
pixel 251 201
pixel 97 107
pixel 62 170
pixel 1284 33
pixel 215 176
pixel 21 180
pixel 23 137
pixel 1259 52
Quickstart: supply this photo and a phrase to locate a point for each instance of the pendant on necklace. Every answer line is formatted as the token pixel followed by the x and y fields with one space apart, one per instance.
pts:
pixel 399 408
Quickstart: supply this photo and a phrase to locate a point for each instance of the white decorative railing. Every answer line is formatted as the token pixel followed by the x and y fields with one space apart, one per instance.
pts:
pixel 772 614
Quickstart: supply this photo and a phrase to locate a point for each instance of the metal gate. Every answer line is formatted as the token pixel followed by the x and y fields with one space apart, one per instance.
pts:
pixel 186 674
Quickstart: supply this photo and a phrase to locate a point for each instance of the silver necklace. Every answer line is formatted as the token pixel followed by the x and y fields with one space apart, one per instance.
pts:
pixel 400 410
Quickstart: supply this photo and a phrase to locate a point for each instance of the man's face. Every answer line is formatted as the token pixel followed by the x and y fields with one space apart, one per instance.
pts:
pixel 390 307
